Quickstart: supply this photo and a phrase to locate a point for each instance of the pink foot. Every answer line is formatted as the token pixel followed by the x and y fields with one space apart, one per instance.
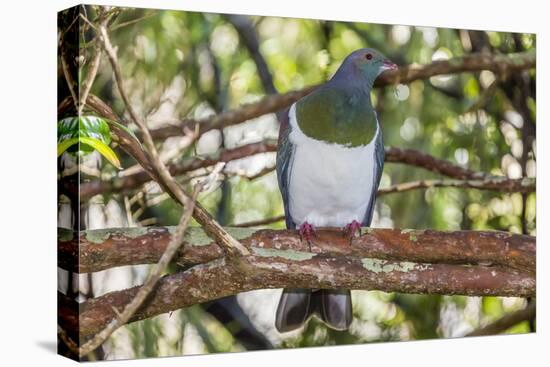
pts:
pixel 352 229
pixel 307 231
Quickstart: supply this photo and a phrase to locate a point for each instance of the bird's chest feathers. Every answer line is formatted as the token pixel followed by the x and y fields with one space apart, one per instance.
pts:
pixel 329 184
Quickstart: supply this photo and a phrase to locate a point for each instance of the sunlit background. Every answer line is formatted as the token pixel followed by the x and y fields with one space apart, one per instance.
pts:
pixel 183 64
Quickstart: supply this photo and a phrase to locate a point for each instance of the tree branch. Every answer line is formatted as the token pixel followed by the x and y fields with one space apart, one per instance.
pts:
pixel 417 158
pixel 161 173
pixel 67 73
pixel 133 21
pixel 476 179
pixel 145 290
pixel 89 189
pixel 507 321
pixel 96 250
pixel 496 183
pixel 90 77
pixel 260 222
pixel 248 35
pixel 289 268
pixel 103 20
pixel 268 104
pixel 502 64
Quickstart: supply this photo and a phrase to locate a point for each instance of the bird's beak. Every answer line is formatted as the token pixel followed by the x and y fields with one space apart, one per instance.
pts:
pixel 388 65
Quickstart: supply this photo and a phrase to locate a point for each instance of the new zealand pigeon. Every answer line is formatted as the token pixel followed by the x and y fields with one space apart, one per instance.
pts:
pixel 329 163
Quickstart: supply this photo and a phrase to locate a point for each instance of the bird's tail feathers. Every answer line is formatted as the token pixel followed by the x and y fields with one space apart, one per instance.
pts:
pixel 296 306
pixel 334 308
pixel 294 309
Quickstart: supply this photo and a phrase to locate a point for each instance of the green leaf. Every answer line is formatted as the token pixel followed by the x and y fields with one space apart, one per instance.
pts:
pixel 87 126
pixel 95 127
pixel 92 132
pixel 65 144
pixel 103 149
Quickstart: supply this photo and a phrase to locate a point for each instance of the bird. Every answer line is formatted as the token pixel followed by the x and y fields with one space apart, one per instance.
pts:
pixel 330 159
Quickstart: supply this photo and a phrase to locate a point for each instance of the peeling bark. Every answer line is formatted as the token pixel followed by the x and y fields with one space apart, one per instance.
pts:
pixel 103 249
pixel 268 268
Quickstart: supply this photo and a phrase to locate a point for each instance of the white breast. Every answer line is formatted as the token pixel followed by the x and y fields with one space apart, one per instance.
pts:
pixel 330 185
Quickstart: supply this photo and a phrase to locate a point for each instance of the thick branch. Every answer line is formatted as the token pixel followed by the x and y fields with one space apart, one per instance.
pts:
pixel 501 64
pixel 103 249
pixel 277 269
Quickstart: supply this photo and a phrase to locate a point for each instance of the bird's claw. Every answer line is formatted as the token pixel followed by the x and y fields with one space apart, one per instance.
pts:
pixel 307 231
pixel 352 229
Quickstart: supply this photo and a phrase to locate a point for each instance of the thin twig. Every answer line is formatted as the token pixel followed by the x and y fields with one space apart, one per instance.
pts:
pixel 260 222
pixel 68 77
pixel 63 32
pixel 243 174
pixel 418 158
pixel 85 19
pixel 90 77
pixel 149 284
pixel 128 210
pixel 496 183
pixel 148 141
pixel 130 22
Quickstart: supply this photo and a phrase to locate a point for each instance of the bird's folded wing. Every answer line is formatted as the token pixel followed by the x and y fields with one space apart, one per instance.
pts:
pixel 284 164
pixel 378 169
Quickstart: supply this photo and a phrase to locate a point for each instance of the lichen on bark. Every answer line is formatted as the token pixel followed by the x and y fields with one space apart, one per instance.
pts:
pixel 385 266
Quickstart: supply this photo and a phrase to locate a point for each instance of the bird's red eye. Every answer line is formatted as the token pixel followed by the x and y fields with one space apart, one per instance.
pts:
pixel 368 56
